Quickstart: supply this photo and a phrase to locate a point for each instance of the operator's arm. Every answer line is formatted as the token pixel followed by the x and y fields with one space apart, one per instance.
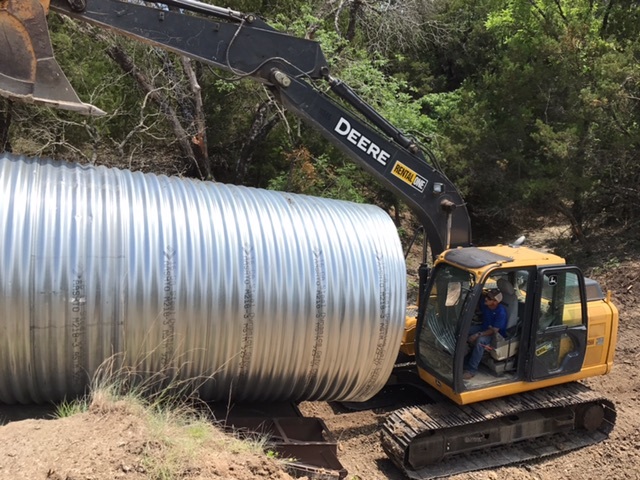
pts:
pixel 500 321
pixel 493 322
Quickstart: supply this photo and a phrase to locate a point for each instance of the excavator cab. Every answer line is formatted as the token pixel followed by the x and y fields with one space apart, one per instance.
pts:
pixel 560 328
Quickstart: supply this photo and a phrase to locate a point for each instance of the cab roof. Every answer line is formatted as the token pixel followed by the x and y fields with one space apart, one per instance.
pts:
pixel 505 255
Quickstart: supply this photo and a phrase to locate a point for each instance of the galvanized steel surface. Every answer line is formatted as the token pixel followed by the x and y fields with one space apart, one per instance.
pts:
pixel 258 295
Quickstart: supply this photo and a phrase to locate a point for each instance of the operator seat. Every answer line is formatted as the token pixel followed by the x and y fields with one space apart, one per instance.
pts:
pixel 503 351
pixel 510 302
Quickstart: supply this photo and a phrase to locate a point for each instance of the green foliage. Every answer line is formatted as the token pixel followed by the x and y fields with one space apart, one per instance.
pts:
pixel 552 116
pixel 321 177
pixel 531 105
pixel 393 97
pixel 95 78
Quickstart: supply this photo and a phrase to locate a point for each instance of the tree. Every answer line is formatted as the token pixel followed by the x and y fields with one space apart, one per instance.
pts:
pixel 534 126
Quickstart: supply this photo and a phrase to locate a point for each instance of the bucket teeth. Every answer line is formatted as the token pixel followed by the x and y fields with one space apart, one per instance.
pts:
pixel 28 69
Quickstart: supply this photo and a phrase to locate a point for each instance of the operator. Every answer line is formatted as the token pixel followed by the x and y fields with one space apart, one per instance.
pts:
pixel 494 319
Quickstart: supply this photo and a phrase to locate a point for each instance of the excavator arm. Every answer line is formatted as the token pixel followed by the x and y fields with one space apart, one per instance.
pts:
pixel 244 45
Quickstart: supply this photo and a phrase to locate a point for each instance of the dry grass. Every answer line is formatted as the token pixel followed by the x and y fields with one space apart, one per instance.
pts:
pixel 180 431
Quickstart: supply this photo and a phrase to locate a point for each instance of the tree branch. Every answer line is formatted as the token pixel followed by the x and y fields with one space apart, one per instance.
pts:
pixel 605 18
pixel 5 125
pixel 185 146
pixel 557 2
pixel 199 140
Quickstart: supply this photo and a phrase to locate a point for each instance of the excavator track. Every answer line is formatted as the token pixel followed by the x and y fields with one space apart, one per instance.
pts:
pixel 434 441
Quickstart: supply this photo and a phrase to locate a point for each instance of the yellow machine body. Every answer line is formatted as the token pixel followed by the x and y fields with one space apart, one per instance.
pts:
pixel 590 312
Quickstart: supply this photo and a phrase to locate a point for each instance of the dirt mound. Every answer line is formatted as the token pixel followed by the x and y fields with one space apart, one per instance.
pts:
pixel 99 445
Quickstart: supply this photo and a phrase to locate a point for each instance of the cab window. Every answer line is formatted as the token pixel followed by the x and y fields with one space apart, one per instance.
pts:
pixel 447 300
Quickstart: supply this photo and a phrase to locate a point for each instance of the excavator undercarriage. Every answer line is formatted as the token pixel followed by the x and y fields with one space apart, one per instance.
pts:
pixel 442 439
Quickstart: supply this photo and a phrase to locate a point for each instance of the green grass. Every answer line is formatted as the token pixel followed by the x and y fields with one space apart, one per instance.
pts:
pixel 68 408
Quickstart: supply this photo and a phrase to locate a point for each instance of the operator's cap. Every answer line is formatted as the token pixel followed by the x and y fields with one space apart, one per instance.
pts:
pixel 494 294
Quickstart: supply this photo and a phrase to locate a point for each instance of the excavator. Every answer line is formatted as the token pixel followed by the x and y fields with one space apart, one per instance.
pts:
pixel 526 400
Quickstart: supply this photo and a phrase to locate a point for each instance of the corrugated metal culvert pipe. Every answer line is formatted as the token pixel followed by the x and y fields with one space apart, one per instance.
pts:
pixel 259 295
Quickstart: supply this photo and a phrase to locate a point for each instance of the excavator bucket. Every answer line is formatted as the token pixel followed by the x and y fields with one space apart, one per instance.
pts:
pixel 28 69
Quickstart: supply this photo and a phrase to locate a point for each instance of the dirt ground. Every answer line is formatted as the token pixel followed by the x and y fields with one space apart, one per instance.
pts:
pixel 113 445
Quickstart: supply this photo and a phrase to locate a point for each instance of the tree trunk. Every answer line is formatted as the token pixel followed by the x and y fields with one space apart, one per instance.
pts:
pixel 5 125
pixel 576 227
pixel 200 145
pixel 263 123
pixel 356 5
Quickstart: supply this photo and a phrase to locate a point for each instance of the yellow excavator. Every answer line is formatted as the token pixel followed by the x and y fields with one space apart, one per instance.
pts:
pixel 525 401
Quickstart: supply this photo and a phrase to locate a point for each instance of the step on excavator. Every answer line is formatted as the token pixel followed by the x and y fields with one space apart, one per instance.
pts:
pixel 526 400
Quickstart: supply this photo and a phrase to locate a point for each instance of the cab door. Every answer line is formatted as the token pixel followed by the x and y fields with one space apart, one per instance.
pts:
pixel 559 329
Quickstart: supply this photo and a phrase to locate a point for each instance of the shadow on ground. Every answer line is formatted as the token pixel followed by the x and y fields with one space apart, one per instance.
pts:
pixel 15 413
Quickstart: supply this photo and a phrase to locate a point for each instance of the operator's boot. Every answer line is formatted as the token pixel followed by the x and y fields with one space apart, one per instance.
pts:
pixel 28 69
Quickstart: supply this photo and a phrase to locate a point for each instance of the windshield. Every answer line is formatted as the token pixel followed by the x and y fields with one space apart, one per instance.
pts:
pixel 437 335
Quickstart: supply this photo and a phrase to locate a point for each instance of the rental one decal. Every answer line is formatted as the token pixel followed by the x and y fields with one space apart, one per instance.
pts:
pixel 407 175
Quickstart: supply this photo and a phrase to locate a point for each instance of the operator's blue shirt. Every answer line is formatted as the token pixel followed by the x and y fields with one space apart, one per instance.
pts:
pixel 494 318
